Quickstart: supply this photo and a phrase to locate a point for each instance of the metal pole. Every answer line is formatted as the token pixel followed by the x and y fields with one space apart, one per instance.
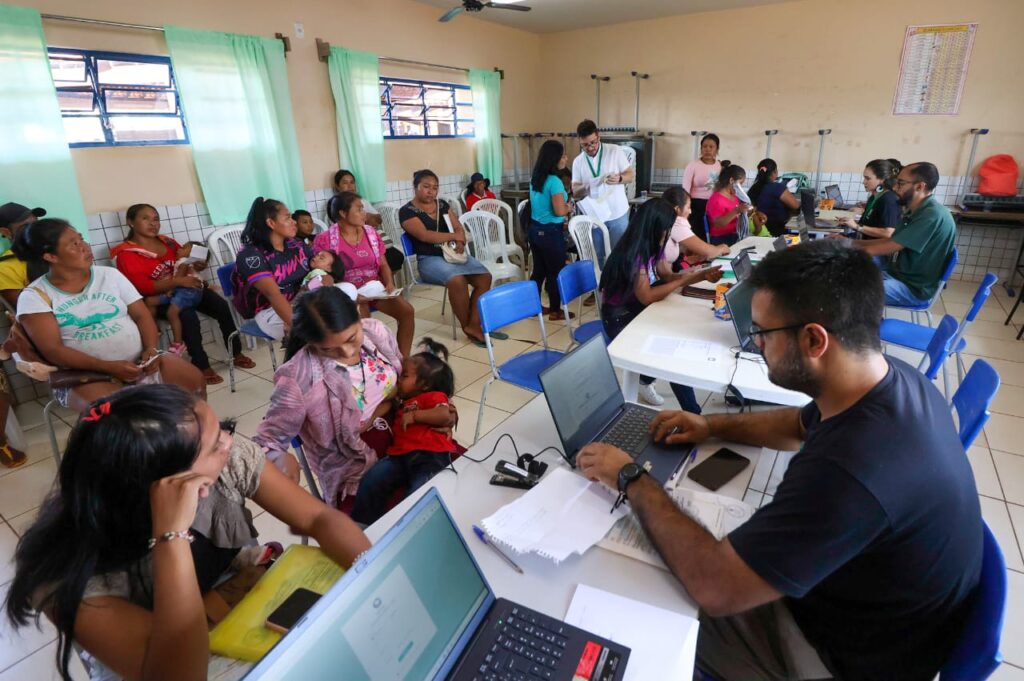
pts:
pixel 101 22
pixel 636 115
pixel 966 181
pixel 821 157
pixel 697 134
pixel 768 147
pixel 597 93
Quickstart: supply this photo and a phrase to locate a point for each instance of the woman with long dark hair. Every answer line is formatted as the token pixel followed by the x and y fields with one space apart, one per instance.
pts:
pixel 550 207
pixel 271 266
pixel 882 212
pixel 630 282
pixel 699 178
pixel 90 319
pixel 725 207
pixel 148 512
pixel 772 197
pixel 149 259
pixel 682 241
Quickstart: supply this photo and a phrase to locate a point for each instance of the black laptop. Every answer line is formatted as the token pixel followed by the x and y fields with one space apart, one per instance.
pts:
pixel 833 192
pixel 807 202
pixel 416 607
pixel 738 299
pixel 742 265
pixel 587 406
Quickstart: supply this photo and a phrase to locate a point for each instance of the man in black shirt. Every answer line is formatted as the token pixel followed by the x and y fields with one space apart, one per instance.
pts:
pixel 863 565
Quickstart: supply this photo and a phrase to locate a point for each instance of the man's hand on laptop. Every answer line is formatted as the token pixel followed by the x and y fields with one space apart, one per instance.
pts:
pixel 678 427
pixel 601 463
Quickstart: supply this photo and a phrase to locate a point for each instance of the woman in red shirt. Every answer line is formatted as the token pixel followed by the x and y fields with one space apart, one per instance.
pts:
pixel 147 259
pixel 724 207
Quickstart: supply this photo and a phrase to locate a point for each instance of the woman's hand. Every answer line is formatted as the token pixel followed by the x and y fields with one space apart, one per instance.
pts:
pixel 744 208
pixel 712 274
pixel 460 246
pixel 848 223
pixel 723 250
pixel 173 501
pixel 151 367
pixel 123 370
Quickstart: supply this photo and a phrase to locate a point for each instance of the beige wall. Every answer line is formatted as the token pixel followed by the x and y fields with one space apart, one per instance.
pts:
pixel 796 67
pixel 111 179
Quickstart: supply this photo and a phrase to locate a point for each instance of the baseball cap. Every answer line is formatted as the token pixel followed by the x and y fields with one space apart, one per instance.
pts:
pixel 15 212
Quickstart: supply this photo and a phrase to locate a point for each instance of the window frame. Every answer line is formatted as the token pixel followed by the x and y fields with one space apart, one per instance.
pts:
pixel 388 119
pixel 91 59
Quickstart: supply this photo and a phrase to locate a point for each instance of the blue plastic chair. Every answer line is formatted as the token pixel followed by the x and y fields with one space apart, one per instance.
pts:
pixel 938 350
pixel 917 336
pixel 917 309
pixel 972 398
pixel 575 281
pixel 976 655
pixel 500 307
pixel 410 259
pixel 248 326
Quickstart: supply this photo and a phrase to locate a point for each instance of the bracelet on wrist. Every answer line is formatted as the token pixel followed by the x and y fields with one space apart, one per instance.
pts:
pixel 170 536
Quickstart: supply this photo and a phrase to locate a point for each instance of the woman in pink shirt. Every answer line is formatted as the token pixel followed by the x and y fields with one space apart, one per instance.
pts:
pixel 682 241
pixel 724 207
pixel 699 180
pixel 361 249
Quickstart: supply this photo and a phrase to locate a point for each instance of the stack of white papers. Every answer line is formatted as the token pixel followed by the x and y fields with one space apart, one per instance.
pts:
pixel 562 515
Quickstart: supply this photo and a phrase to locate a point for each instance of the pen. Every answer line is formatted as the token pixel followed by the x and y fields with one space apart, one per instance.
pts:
pixel 483 537
pixel 686 464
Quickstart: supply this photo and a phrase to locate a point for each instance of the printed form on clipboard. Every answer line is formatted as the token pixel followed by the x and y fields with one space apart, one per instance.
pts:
pixel 716 513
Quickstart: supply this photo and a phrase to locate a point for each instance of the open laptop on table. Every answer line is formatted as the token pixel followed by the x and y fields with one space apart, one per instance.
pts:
pixel 738 299
pixel 807 211
pixel 586 405
pixel 833 192
pixel 417 607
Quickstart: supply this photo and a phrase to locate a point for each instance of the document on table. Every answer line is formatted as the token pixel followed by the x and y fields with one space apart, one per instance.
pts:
pixel 564 514
pixel 716 513
pixel 685 349
pixel 662 644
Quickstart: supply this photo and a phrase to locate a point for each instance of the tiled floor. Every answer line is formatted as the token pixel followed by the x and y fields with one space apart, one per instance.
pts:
pixel 997 456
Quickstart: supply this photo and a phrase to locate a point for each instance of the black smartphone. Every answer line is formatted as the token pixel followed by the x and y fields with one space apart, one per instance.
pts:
pixel 286 615
pixel 718 469
pixel 511 481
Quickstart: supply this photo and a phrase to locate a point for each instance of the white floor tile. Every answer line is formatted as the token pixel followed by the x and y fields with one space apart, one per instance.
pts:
pixel 16 644
pixel 501 395
pixel 1009 400
pixel 25 488
pixel 1010 468
pixel 998 518
pixel 985 477
pixel 41 666
pixel 1004 433
pixel 1013 629
pixel 1007 672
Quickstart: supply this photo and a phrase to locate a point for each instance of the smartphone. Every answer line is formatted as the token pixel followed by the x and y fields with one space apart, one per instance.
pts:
pixel 500 480
pixel 286 615
pixel 718 469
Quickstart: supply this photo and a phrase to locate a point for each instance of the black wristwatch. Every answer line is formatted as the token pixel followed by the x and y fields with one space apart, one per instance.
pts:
pixel 628 474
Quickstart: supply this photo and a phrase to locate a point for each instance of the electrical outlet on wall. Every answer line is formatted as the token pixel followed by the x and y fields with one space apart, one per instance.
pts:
pixel 300 30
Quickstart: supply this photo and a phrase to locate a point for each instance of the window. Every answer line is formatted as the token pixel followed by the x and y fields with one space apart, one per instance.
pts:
pixel 414 108
pixel 110 99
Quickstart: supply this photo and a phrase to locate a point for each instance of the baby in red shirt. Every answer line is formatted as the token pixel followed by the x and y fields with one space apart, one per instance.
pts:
pixel 422 445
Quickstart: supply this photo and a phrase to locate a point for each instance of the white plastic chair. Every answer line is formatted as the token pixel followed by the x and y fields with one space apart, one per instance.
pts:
pixel 319 226
pixel 503 211
pixel 491 253
pixel 225 243
pixel 462 201
pixel 456 205
pixel 581 229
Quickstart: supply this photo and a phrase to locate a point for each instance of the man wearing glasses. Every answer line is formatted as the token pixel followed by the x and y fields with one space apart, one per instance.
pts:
pixel 601 173
pixel 920 247
pixel 863 564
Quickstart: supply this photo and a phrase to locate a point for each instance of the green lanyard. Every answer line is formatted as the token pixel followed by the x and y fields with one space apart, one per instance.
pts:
pixel 600 153
pixel 869 206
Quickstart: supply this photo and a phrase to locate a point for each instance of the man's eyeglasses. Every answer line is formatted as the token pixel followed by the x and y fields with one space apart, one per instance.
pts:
pixel 899 183
pixel 758 334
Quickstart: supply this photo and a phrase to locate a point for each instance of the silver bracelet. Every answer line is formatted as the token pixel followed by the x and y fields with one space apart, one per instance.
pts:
pixel 170 536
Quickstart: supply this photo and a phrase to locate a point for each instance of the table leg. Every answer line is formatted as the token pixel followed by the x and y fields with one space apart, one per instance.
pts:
pixel 630 385
pixel 1017 268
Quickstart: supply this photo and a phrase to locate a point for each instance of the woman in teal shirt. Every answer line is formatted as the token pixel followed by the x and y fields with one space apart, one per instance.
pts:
pixel 549 207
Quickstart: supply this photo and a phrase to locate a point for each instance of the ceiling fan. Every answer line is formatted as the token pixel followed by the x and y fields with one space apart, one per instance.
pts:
pixel 476 6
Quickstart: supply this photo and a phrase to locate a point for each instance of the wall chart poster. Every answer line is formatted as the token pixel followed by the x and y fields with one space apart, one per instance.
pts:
pixel 933 69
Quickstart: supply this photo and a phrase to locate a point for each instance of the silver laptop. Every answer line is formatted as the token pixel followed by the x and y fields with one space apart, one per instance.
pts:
pixel 587 406
pixel 833 192
pixel 807 202
pixel 738 299
pixel 417 607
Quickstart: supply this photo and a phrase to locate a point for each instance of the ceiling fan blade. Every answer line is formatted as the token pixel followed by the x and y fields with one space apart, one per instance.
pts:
pixel 451 14
pixel 499 5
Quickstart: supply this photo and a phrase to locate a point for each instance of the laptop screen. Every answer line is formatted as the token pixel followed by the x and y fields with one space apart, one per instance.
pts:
pixel 583 394
pixel 405 611
pixel 807 207
pixel 741 265
pixel 833 192
pixel 738 298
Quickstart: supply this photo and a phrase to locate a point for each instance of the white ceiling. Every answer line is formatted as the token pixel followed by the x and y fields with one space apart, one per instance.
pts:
pixel 550 16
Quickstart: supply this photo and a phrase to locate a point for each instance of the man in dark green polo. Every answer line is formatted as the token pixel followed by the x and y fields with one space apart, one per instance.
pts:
pixel 921 245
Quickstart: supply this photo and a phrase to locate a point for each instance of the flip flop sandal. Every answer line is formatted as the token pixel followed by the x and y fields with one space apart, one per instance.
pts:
pixel 499 335
pixel 212 377
pixel 243 362
pixel 11 457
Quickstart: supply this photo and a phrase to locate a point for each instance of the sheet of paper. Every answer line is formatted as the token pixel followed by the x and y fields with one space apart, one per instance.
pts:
pixel 226 669
pixel 564 514
pixel 716 513
pixel 662 643
pixel 684 349
pixel 597 209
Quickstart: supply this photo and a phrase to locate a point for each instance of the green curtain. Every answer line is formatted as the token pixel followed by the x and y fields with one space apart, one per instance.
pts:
pixel 35 162
pixel 486 88
pixel 355 82
pixel 234 93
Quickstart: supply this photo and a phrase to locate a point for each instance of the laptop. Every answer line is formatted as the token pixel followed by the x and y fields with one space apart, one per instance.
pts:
pixel 586 405
pixel 832 192
pixel 417 607
pixel 738 299
pixel 780 244
pixel 807 210
pixel 742 266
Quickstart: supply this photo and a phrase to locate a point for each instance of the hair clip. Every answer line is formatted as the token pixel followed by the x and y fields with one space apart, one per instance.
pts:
pixel 96 413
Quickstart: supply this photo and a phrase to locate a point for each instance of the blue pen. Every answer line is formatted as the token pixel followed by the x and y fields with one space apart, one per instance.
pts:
pixel 483 537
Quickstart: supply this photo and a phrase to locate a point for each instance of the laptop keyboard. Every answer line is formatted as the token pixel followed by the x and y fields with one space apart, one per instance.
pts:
pixel 529 646
pixel 630 433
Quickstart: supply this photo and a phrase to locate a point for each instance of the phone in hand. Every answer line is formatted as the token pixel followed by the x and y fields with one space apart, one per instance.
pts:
pixel 287 615
pixel 718 469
